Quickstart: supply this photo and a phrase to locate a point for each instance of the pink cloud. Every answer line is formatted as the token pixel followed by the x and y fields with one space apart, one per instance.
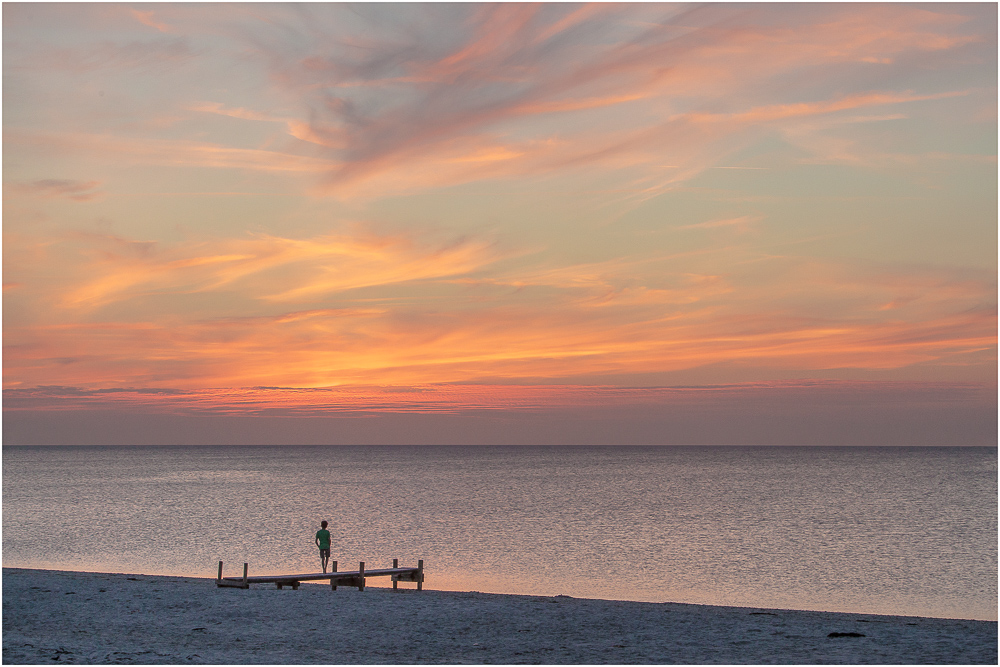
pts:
pixel 742 223
pixel 54 187
pixel 271 268
pixel 776 413
pixel 464 94
pixel 151 151
pixel 487 93
pixel 641 315
pixel 147 18
pixel 515 62
pixel 786 400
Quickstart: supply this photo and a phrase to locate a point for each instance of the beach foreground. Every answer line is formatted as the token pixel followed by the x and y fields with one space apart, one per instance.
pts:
pixel 93 618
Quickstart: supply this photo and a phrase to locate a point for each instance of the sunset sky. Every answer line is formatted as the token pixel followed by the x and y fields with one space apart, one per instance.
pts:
pixel 500 223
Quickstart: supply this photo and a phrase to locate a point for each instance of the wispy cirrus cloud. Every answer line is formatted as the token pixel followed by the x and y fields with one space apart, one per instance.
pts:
pixel 741 223
pixel 695 141
pixel 463 93
pixel 388 346
pixel 800 109
pixel 511 63
pixel 475 318
pixel 270 268
pixel 148 18
pixel 457 399
pixel 149 151
pixel 60 187
pixel 659 161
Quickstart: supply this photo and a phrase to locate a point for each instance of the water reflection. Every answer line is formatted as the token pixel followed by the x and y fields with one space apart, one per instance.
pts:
pixel 882 530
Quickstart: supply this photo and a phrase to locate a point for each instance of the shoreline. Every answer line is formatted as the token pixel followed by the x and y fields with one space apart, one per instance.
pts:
pixel 115 618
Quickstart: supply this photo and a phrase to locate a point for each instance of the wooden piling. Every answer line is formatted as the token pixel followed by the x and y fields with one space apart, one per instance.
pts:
pixel 353 579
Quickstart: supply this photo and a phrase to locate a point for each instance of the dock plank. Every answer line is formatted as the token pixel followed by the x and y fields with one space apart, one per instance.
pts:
pixel 320 576
pixel 343 577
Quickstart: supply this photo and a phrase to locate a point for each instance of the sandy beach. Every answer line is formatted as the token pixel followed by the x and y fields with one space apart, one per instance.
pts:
pixel 53 616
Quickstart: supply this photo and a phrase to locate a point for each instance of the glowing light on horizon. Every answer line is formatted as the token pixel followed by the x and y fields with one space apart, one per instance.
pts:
pixel 199 196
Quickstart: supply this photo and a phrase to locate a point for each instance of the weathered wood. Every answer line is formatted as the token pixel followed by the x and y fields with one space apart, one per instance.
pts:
pixel 335 577
pixel 395 564
pixel 231 582
pixel 420 575
pixel 319 576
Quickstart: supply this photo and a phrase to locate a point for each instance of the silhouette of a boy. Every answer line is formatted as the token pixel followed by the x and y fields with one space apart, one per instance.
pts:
pixel 323 542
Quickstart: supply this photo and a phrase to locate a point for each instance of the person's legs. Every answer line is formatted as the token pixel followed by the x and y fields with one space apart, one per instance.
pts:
pixel 324 558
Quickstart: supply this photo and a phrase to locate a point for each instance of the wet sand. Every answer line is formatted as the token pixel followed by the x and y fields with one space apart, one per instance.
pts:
pixel 90 618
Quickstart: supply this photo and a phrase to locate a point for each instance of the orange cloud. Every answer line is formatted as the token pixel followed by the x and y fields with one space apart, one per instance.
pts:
pixel 470 95
pixel 365 400
pixel 54 187
pixel 499 28
pixel 742 223
pixel 428 110
pixel 146 18
pixel 622 317
pixel 271 268
pixel 169 152
pixel 240 112
pixel 784 111
pixel 492 78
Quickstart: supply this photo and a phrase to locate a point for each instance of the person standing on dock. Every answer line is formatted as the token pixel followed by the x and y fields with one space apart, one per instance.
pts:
pixel 323 542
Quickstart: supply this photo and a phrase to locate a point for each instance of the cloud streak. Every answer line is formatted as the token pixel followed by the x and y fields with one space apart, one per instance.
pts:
pixel 57 187
pixel 271 268
pixel 363 400
pixel 386 309
pixel 486 93
pixel 461 195
pixel 515 63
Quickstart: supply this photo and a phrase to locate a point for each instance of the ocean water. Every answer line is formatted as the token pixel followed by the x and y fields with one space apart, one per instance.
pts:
pixel 876 530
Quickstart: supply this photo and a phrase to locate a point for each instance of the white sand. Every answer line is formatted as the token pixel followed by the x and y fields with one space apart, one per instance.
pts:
pixel 79 617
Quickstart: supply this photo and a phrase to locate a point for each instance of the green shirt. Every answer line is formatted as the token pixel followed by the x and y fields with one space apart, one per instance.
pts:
pixel 323 536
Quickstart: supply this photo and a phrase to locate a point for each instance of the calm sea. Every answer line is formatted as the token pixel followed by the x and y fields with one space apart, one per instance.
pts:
pixel 880 530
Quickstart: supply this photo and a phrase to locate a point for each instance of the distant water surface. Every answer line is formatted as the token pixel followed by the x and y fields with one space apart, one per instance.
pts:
pixel 877 530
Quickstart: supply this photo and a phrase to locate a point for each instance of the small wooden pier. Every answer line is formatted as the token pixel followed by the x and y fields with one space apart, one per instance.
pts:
pixel 353 578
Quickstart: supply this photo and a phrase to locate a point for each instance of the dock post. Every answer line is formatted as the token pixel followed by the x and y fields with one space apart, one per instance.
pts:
pixel 245 568
pixel 395 564
pixel 333 582
pixel 219 578
pixel 420 575
pixel 361 576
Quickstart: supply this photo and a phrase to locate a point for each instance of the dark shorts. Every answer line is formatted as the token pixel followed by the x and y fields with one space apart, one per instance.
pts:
pixel 324 553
